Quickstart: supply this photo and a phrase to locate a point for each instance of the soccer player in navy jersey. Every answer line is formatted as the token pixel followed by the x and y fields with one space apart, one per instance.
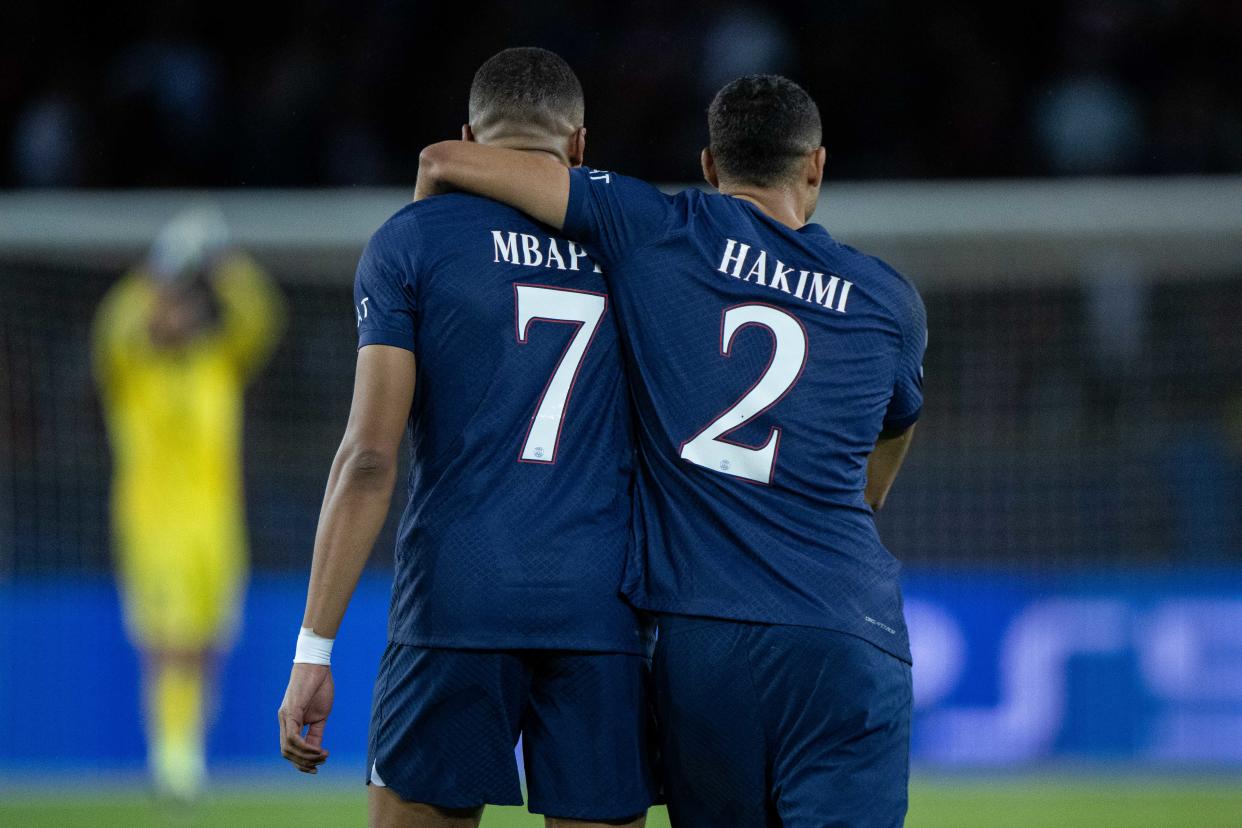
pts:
pixel 777 377
pixel 490 336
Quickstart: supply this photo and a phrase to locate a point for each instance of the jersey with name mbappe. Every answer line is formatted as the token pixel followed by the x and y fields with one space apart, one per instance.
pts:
pixel 518 521
pixel 765 361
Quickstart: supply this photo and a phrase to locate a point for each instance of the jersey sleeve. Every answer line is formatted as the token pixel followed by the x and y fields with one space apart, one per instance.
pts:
pixel 907 401
pixel 384 287
pixel 614 214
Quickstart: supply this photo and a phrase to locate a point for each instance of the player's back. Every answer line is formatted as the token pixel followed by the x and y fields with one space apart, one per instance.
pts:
pixel 517 526
pixel 766 362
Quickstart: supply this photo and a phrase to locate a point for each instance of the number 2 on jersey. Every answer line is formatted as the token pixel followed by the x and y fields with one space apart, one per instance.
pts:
pixel 708 448
pixel 583 309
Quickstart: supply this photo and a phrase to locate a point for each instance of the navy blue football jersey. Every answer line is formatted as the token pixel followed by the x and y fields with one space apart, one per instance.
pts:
pixel 518 521
pixel 765 362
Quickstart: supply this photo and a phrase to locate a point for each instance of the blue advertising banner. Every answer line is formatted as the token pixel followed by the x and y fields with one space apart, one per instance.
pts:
pixel 1010 670
pixel 1137 667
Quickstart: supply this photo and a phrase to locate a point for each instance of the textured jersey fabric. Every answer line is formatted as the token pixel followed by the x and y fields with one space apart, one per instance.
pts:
pixel 518 521
pixel 765 363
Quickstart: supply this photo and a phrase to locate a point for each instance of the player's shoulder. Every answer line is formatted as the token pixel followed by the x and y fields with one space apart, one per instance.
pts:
pixel 882 276
pixel 421 225
pixel 627 186
pixel 401 226
pixel 395 248
pixel 442 218
pixel 418 215
pixel 452 204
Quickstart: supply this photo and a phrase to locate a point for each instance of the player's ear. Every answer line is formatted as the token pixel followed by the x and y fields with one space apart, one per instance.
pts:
pixel 815 161
pixel 709 167
pixel 576 151
pixel 467 134
pixel 815 167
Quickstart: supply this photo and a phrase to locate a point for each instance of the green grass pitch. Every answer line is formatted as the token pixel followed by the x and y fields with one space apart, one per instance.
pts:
pixel 1034 802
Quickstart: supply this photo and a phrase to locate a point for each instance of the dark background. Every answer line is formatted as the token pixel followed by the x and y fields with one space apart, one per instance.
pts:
pixel 327 92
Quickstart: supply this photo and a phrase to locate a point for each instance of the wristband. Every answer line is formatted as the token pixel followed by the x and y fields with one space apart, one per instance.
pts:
pixel 312 648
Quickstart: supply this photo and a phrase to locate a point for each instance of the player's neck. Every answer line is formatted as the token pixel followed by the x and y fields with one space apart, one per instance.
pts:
pixel 778 203
pixel 530 144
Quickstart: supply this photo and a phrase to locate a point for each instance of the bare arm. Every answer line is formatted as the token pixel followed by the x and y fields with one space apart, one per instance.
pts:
pixel 884 463
pixel 360 484
pixel 536 183
pixel 354 508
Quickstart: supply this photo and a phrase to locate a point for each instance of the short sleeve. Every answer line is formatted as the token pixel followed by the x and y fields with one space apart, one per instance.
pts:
pixel 614 214
pixel 384 295
pixel 907 402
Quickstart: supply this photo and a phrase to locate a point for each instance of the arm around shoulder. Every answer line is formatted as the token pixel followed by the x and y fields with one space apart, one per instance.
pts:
pixel 537 183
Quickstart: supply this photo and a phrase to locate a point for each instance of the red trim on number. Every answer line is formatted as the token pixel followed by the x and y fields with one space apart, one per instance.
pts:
pixel 726 350
pixel 521 335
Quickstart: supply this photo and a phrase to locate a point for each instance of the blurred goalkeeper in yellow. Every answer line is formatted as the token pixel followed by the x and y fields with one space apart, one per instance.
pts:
pixel 175 342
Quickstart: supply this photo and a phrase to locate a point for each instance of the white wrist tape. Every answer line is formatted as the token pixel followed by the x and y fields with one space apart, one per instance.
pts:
pixel 312 648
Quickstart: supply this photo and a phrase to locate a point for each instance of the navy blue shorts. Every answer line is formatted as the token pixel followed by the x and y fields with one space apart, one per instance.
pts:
pixel 445 722
pixel 780 726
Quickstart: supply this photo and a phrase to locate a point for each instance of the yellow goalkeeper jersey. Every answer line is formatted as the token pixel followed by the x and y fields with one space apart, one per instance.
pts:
pixel 174 416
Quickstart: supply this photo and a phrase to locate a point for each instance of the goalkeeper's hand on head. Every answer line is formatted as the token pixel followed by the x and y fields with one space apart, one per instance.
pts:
pixel 188 244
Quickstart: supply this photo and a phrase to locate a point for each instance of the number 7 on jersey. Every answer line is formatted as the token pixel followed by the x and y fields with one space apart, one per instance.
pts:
pixel 584 310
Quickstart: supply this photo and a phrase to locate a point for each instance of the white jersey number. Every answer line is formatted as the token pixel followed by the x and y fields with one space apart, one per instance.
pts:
pixel 575 307
pixel 708 448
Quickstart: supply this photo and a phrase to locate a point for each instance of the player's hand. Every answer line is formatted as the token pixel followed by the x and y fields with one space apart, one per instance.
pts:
pixel 307 703
pixel 427 184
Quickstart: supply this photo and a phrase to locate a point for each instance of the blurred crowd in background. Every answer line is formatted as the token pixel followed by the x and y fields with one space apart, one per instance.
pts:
pixel 327 92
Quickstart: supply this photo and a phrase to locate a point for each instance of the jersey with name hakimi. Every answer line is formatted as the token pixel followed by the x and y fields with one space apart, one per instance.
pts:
pixel 518 522
pixel 765 362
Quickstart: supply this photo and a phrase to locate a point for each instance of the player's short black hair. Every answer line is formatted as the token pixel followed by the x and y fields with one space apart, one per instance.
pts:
pixel 527 86
pixel 759 125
